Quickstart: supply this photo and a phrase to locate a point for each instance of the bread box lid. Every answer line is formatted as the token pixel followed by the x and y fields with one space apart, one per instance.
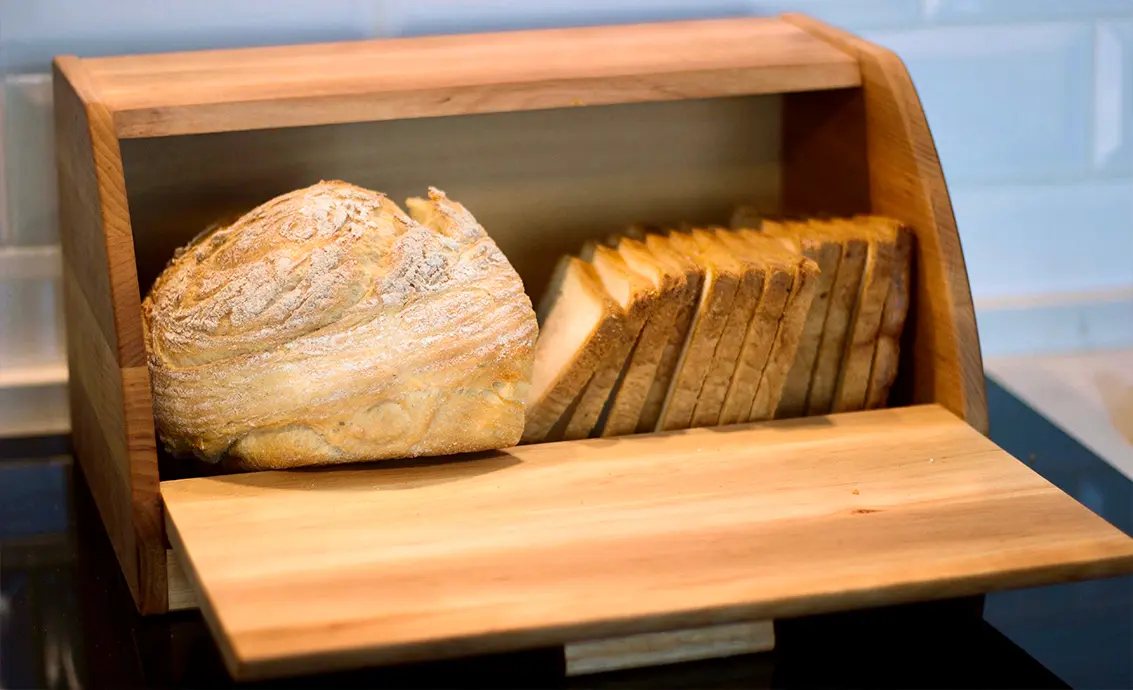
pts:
pixel 305 571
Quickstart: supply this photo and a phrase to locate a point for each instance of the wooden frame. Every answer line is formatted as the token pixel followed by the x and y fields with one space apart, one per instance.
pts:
pixel 854 139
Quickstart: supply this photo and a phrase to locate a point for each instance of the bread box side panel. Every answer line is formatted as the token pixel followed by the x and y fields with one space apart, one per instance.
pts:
pixel 541 182
pixel 870 150
pixel 112 422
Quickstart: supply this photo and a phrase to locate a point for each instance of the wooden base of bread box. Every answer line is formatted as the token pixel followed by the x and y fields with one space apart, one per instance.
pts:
pixel 566 543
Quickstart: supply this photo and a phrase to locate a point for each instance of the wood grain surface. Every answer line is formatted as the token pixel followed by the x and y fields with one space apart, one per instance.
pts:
pixel 111 412
pixel 870 150
pixel 556 543
pixel 258 88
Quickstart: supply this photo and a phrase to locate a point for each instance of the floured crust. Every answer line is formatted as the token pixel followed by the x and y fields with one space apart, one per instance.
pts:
pixel 327 326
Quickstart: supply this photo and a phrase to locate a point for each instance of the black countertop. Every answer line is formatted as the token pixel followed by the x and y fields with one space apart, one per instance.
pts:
pixel 67 621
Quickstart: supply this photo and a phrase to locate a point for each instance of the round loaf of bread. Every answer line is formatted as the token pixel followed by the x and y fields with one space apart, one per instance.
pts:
pixel 329 326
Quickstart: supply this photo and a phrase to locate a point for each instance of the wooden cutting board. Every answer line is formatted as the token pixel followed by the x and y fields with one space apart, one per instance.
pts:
pixel 304 571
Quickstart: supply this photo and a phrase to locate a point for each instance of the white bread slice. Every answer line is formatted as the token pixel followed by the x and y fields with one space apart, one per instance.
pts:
pixel 887 354
pixel 827 254
pixel 579 324
pixel 778 266
pixel 713 392
pixel 843 297
pixel 880 236
pixel 671 285
pixel 689 300
pixel 722 276
pixel 788 334
pixel 638 300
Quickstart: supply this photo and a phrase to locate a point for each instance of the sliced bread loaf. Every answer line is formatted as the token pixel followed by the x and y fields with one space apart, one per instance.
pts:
pixel 579 324
pixel 886 355
pixel 638 300
pixel 880 236
pixel 827 254
pixel 725 359
pixel 722 275
pixel 662 249
pixel 670 283
pixel 843 298
pixel 778 266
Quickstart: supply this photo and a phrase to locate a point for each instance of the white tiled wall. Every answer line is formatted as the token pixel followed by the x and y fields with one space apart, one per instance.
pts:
pixel 1030 101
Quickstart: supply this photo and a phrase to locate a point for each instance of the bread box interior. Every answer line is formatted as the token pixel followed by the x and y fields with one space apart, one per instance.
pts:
pixel 550 138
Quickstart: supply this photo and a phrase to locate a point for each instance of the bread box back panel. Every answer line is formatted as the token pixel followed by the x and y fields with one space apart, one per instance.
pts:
pixel 541 182
pixel 549 138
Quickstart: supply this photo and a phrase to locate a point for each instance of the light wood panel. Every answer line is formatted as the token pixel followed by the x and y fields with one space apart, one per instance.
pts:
pixel 111 413
pixel 545 544
pixel 870 149
pixel 542 183
pixel 596 656
pixel 257 88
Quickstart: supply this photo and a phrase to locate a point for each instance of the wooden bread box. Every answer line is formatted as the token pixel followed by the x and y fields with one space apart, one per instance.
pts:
pixel 611 547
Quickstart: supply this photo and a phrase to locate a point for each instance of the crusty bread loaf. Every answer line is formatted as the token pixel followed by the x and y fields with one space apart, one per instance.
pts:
pixel 579 325
pixel 327 326
pixel 638 300
pixel 671 286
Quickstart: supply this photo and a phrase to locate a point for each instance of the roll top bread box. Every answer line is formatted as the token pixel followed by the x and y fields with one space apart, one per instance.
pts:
pixel 580 151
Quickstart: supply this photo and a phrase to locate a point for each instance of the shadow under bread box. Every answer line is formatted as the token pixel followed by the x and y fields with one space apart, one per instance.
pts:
pixel 550 138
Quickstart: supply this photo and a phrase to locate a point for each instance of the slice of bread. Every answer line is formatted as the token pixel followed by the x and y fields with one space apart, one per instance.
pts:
pixel 579 324
pixel 664 252
pixel 722 275
pixel 671 285
pixel 778 265
pixel 789 331
pixel 887 353
pixel 827 254
pixel 843 298
pixel 638 300
pixel 721 370
pixel 880 235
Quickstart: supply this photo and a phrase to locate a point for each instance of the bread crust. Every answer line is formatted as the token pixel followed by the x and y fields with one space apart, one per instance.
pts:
pixel 888 352
pixel 557 382
pixel 327 326
pixel 861 343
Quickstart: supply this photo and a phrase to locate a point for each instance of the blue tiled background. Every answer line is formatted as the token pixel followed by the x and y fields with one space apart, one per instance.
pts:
pixel 1030 102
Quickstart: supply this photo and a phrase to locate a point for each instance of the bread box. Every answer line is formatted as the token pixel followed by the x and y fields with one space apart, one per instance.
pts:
pixel 551 138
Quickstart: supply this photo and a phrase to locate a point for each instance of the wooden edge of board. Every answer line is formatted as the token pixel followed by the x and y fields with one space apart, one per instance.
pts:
pixel 503 71
pixel 906 181
pixel 93 203
pixel 591 656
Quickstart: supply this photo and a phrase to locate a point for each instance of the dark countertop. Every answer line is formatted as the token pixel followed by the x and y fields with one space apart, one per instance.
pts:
pixel 66 620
